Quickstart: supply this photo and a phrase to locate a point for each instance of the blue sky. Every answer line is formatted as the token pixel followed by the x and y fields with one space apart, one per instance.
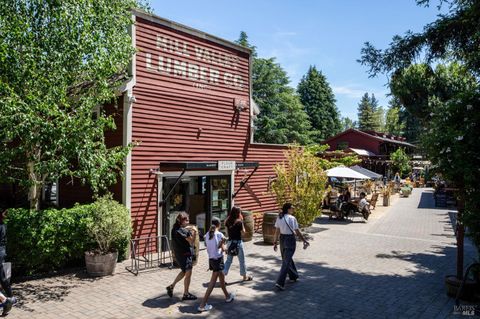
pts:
pixel 328 34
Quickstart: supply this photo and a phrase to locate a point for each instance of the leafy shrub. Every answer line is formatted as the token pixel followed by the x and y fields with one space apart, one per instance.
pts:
pixel 40 241
pixel 302 181
pixel 109 224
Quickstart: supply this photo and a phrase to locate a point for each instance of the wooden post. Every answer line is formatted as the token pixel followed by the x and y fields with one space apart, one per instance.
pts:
pixel 460 236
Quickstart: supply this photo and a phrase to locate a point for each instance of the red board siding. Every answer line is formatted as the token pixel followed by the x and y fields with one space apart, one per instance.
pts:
pixel 174 119
pixel 356 140
pixel 255 196
pixel 71 191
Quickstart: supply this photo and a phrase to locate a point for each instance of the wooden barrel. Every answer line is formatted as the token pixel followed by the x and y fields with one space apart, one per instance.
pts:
pixel 268 226
pixel 249 223
pixel 197 241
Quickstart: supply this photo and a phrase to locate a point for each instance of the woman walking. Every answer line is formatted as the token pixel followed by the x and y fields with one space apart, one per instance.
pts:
pixel 215 242
pixel 286 226
pixel 182 241
pixel 235 228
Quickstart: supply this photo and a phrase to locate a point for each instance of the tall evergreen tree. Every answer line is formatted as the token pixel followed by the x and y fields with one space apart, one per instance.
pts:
pixel 282 118
pixel 319 101
pixel 378 123
pixel 393 124
pixel 366 114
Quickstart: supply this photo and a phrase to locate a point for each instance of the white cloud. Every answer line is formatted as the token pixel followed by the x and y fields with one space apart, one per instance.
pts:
pixel 354 92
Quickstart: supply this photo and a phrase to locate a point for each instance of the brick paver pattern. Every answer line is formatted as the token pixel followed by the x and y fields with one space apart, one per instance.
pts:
pixel 393 266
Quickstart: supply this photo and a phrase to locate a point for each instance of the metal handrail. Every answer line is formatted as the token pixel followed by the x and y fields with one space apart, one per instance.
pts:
pixel 149 252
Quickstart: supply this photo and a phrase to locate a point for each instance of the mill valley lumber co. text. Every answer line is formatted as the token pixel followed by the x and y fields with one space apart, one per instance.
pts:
pixel 220 70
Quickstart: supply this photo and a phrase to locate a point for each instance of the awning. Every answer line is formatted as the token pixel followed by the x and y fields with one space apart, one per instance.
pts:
pixel 345 172
pixel 366 172
pixel 192 166
pixel 218 165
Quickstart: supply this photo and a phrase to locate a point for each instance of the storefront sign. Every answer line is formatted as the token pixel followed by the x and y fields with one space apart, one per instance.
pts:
pixel 191 64
pixel 226 165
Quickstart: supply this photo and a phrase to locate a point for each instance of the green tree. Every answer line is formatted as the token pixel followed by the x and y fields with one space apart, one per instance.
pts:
pixel 393 125
pixel 319 101
pixel 366 114
pixel 59 60
pixel 282 118
pixel 400 161
pixel 378 115
pixel 301 180
pixel 347 123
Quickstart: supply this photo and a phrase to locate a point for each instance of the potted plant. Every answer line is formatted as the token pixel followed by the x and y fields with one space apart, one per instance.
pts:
pixel 368 186
pixel 387 190
pixel 108 226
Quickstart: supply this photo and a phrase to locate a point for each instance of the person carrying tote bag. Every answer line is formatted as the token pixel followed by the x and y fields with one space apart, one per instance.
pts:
pixel 286 226
pixel 235 228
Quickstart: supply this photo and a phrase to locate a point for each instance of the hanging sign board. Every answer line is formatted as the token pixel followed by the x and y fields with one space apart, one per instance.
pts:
pixel 226 165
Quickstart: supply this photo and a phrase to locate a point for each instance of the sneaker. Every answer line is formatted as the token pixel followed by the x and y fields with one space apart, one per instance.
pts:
pixel 230 298
pixel 293 280
pixel 206 308
pixel 279 287
pixel 7 306
pixel 170 291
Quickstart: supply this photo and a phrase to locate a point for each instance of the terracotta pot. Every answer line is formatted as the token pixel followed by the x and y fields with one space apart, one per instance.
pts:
pixel 99 264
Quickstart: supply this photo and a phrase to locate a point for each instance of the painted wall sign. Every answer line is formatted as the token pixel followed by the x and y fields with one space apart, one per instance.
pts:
pixel 191 64
pixel 226 165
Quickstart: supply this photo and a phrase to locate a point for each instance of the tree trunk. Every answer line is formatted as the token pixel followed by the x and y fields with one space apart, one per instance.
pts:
pixel 34 192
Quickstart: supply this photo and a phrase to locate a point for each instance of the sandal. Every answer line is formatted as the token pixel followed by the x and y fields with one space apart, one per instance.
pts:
pixel 170 291
pixel 189 296
pixel 249 278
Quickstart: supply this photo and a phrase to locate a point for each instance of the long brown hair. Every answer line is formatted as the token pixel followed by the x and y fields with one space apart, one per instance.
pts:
pixel 234 215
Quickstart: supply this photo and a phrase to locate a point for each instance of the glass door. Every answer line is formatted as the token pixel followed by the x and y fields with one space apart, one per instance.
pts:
pixel 220 197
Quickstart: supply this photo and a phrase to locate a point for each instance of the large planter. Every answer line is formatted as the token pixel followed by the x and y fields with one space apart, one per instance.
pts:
pixel 386 200
pixel 249 223
pixel 268 227
pixel 100 264
pixel 452 283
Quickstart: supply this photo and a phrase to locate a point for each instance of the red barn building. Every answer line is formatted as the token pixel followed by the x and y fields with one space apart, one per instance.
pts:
pixel 189 108
pixel 372 147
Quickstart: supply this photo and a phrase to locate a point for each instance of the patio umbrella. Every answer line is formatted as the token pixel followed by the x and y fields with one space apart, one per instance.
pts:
pixel 345 172
pixel 366 172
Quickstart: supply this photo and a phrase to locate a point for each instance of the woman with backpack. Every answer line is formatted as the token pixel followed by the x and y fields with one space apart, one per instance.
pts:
pixel 235 228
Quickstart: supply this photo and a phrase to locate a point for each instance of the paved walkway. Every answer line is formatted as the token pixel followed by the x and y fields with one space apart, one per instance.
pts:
pixel 391 267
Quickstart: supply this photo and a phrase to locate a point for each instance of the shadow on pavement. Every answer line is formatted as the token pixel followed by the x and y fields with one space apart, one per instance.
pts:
pixel 53 287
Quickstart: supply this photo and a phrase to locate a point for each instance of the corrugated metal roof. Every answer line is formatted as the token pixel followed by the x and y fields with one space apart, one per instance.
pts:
pixel 362 152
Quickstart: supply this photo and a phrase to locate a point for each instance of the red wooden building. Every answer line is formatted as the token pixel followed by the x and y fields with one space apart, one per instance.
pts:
pixel 189 108
pixel 372 147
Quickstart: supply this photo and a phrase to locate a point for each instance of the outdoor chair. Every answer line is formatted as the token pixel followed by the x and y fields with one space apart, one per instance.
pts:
pixel 373 201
